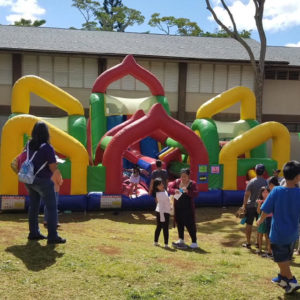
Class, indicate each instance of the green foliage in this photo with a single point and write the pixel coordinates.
(30, 23)
(222, 33)
(185, 27)
(111, 16)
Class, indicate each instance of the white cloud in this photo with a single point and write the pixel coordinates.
(278, 14)
(26, 9)
(293, 45)
(5, 2)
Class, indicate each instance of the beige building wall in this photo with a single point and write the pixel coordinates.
(205, 81)
(295, 146)
(281, 97)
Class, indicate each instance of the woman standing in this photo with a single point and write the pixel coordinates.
(42, 186)
(184, 191)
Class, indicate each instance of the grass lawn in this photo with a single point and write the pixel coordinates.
(111, 256)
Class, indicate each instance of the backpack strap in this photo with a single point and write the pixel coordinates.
(42, 167)
(33, 155)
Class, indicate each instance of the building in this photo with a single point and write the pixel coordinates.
(191, 69)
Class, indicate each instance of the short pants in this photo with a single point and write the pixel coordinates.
(282, 253)
(251, 214)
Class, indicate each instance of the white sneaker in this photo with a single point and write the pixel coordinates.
(179, 244)
(194, 245)
(167, 246)
(156, 244)
(292, 285)
(180, 241)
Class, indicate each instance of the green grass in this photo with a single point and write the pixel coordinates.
(111, 256)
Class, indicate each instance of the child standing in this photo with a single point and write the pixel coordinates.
(283, 202)
(134, 179)
(262, 228)
(163, 209)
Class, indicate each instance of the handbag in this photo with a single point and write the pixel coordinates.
(240, 213)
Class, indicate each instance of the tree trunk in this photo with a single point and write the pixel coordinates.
(258, 90)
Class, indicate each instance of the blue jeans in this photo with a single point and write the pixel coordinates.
(42, 188)
(46, 211)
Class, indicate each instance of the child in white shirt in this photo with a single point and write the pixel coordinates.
(163, 209)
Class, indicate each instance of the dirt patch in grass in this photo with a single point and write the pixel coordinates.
(109, 250)
(10, 234)
(178, 263)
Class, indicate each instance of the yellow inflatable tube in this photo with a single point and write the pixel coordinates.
(254, 137)
(12, 144)
(46, 90)
(226, 100)
(163, 155)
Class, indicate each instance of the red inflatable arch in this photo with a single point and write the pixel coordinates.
(156, 120)
(128, 67)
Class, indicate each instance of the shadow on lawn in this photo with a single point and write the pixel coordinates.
(140, 217)
(35, 256)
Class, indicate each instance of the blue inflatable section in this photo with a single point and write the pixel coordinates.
(96, 201)
(72, 203)
(149, 147)
(231, 198)
(144, 202)
(113, 121)
(93, 201)
(210, 198)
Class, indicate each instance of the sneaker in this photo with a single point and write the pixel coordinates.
(267, 255)
(37, 237)
(179, 244)
(280, 280)
(167, 246)
(194, 245)
(245, 245)
(156, 244)
(292, 285)
(58, 240)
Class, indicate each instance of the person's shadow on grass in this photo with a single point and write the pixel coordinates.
(35, 256)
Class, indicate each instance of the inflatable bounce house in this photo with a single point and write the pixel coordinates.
(122, 133)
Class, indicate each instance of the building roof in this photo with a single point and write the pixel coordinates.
(43, 39)
(290, 54)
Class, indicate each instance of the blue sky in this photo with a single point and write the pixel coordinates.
(282, 17)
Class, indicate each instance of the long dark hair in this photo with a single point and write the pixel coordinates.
(262, 189)
(157, 181)
(39, 135)
(185, 171)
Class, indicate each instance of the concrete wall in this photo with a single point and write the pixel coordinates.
(281, 97)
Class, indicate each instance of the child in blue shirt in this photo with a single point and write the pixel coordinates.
(284, 203)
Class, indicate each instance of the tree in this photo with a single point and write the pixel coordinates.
(222, 33)
(25, 22)
(186, 27)
(183, 26)
(87, 8)
(112, 16)
(257, 66)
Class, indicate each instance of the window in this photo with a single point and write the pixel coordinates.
(293, 75)
(270, 74)
(292, 127)
(282, 74)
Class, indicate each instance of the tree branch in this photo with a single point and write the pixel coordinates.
(233, 33)
(259, 10)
